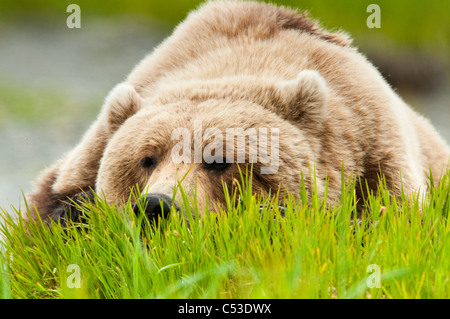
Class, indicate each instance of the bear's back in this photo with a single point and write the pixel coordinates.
(220, 25)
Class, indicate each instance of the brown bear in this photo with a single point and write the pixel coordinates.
(238, 83)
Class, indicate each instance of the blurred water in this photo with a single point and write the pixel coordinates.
(436, 107)
(86, 63)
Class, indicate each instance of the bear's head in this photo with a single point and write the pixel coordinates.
(198, 135)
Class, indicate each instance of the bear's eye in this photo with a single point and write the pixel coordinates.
(148, 162)
(216, 166)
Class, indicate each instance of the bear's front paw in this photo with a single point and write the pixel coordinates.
(70, 208)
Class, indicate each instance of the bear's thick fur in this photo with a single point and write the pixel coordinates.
(247, 65)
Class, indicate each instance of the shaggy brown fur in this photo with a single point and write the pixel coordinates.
(247, 65)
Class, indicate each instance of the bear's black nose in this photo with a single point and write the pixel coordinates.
(155, 206)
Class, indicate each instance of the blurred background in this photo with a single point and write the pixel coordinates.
(53, 79)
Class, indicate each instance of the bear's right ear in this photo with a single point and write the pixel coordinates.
(121, 103)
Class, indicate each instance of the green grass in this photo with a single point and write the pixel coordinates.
(315, 251)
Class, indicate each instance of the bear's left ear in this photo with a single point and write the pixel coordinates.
(121, 103)
(304, 98)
